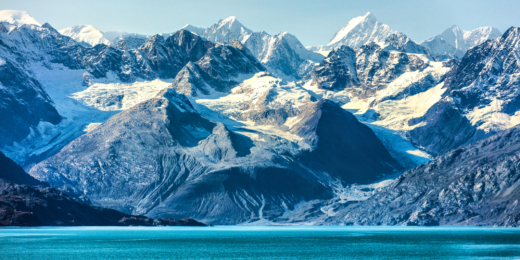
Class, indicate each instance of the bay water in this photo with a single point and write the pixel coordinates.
(254, 242)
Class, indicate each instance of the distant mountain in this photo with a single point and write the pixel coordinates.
(283, 54)
(89, 36)
(470, 186)
(85, 33)
(226, 30)
(401, 42)
(220, 69)
(359, 31)
(194, 29)
(455, 42)
(17, 18)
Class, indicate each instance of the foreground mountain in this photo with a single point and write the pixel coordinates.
(474, 185)
(454, 42)
(480, 97)
(162, 158)
(25, 201)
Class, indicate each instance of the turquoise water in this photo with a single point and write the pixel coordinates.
(259, 243)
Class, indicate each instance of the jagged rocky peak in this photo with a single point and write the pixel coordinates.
(401, 42)
(474, 185)
(128, 42)
(481, 97)
(454, 41)
(221, 68)
(283, 54)
(17, 17)
(226, 30)
(360, 31)
(365, 70)
(191, 45)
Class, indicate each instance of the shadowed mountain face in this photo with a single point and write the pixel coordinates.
(473, 185)
(12, 172)
(23, 104)
(25, 201)
(343, 146)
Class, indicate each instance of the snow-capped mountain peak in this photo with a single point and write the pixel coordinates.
(193, 29)
(361, 30)
(454, 41)
(226, 30)
(85, 33)
(17, 17)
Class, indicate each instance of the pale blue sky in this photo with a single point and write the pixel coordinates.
(314, 22)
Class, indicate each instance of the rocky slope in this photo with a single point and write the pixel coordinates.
(474, 185)
(454, 42)
(480, 97)
(364, 71)
(25, 201)
(162, 158)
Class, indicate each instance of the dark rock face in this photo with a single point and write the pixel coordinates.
(128, 42)
(330, 128)
(364, 70)
(482, 78)
(473, 185)
(12, 172)
(446, 128)
(23, 104)
(25, 201)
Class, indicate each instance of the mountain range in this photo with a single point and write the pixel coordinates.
(230, 126)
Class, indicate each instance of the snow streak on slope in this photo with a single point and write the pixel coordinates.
(60, 84)
(119, 96)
